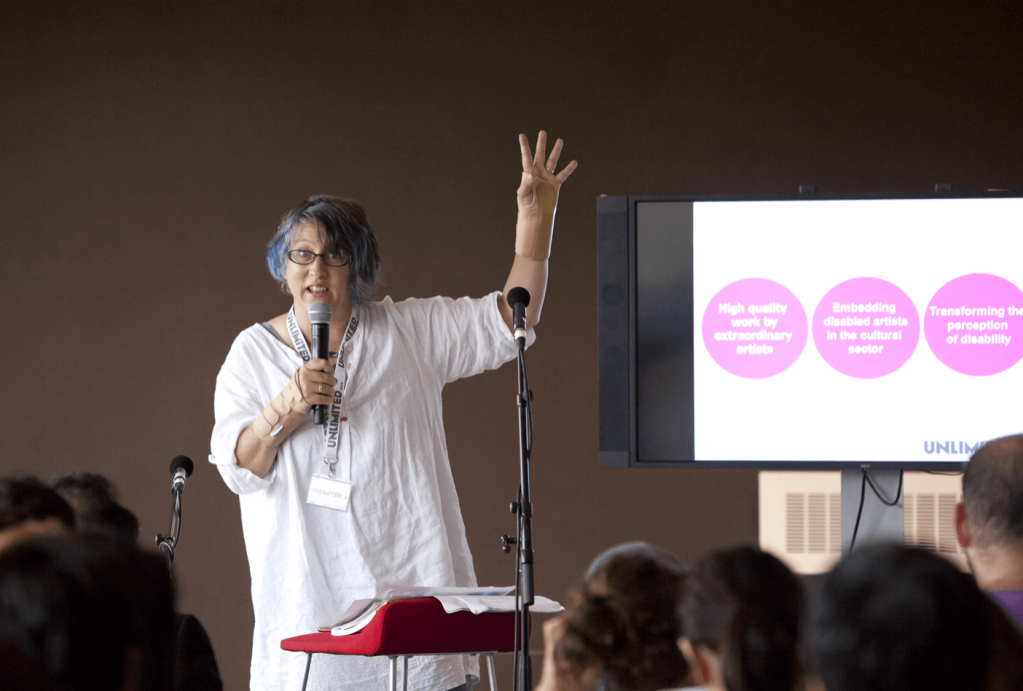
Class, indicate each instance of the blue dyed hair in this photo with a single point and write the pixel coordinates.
(343, 226)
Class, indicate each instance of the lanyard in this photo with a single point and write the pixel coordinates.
(331, 430)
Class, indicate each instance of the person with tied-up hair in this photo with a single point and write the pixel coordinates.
(332, 513)
(621, 632)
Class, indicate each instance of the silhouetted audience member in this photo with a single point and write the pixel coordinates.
(989, 522)
(621, 633)
(94, 500)
(894, 617)
(740, 619)
(96, 612)
(27, 508)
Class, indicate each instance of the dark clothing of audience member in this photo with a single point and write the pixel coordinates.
(894, 617)
(96, 612)
(989, 522)
(195, 665)
(1011, 601)
(20, 671)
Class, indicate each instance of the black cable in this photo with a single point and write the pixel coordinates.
(863, 494)
(856, 528)
(898, 494)
(529, 407)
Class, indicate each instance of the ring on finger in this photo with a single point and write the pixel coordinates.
(319, 389)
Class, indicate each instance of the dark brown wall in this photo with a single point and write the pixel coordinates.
(148, 150)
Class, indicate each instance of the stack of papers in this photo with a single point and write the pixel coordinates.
(475, 600)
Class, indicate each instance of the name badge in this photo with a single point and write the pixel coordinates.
(331, 494)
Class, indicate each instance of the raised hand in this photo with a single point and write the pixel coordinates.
(538, 197)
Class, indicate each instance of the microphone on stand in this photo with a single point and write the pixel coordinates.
(181, 467)
(518, 298)
(319, 322)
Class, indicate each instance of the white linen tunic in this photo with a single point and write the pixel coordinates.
(404, 525)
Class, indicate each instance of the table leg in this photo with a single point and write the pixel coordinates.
(490, 671)
(308, 662)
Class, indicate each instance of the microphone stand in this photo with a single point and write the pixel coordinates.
(523, 508)
(167, 544)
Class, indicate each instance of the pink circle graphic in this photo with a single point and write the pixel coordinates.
(754, 328)
(866, 327)
(974, 324)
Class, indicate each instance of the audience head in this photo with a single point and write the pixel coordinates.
(28, 507)
(94, 500)
(739, 619)
(95, 612)
(894, 617)
(991, 515)
(624, 622)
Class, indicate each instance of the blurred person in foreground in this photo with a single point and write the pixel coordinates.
(94, 500)
(739, 621)
(332, 513)
(29, 508)
(895, 617)
(989, 521)
(94, 612)
(620, 634)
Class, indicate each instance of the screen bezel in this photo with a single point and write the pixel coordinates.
(612, 221)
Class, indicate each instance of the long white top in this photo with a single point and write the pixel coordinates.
(404, 525)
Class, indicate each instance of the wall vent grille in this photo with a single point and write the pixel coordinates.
(801, 516)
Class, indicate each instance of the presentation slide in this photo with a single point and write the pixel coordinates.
(881, 330)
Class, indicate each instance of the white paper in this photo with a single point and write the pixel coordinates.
(361, 612)
(478, 604)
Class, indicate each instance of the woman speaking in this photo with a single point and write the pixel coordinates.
(331, 513)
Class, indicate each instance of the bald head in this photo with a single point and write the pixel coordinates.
(993, 493)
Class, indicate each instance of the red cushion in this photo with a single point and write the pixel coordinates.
(418, 626)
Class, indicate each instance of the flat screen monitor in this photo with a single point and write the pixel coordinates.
(810, 332)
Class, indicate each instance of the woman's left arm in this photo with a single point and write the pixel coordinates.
(537, 201)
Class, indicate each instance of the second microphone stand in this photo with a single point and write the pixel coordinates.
(523, 508)
(167, 544)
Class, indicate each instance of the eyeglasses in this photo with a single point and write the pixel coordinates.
(306, 257)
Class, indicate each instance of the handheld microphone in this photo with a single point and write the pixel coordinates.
(518, 298)
(319, 321)
(181, 467)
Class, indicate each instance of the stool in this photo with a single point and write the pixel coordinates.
(417, 626)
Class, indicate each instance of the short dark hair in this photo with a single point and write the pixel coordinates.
(83, 483)
(26, 498)
(344, 228)
(746, 605)
(895, 617)
(993, 492)
(631, 631)
(93, 499)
